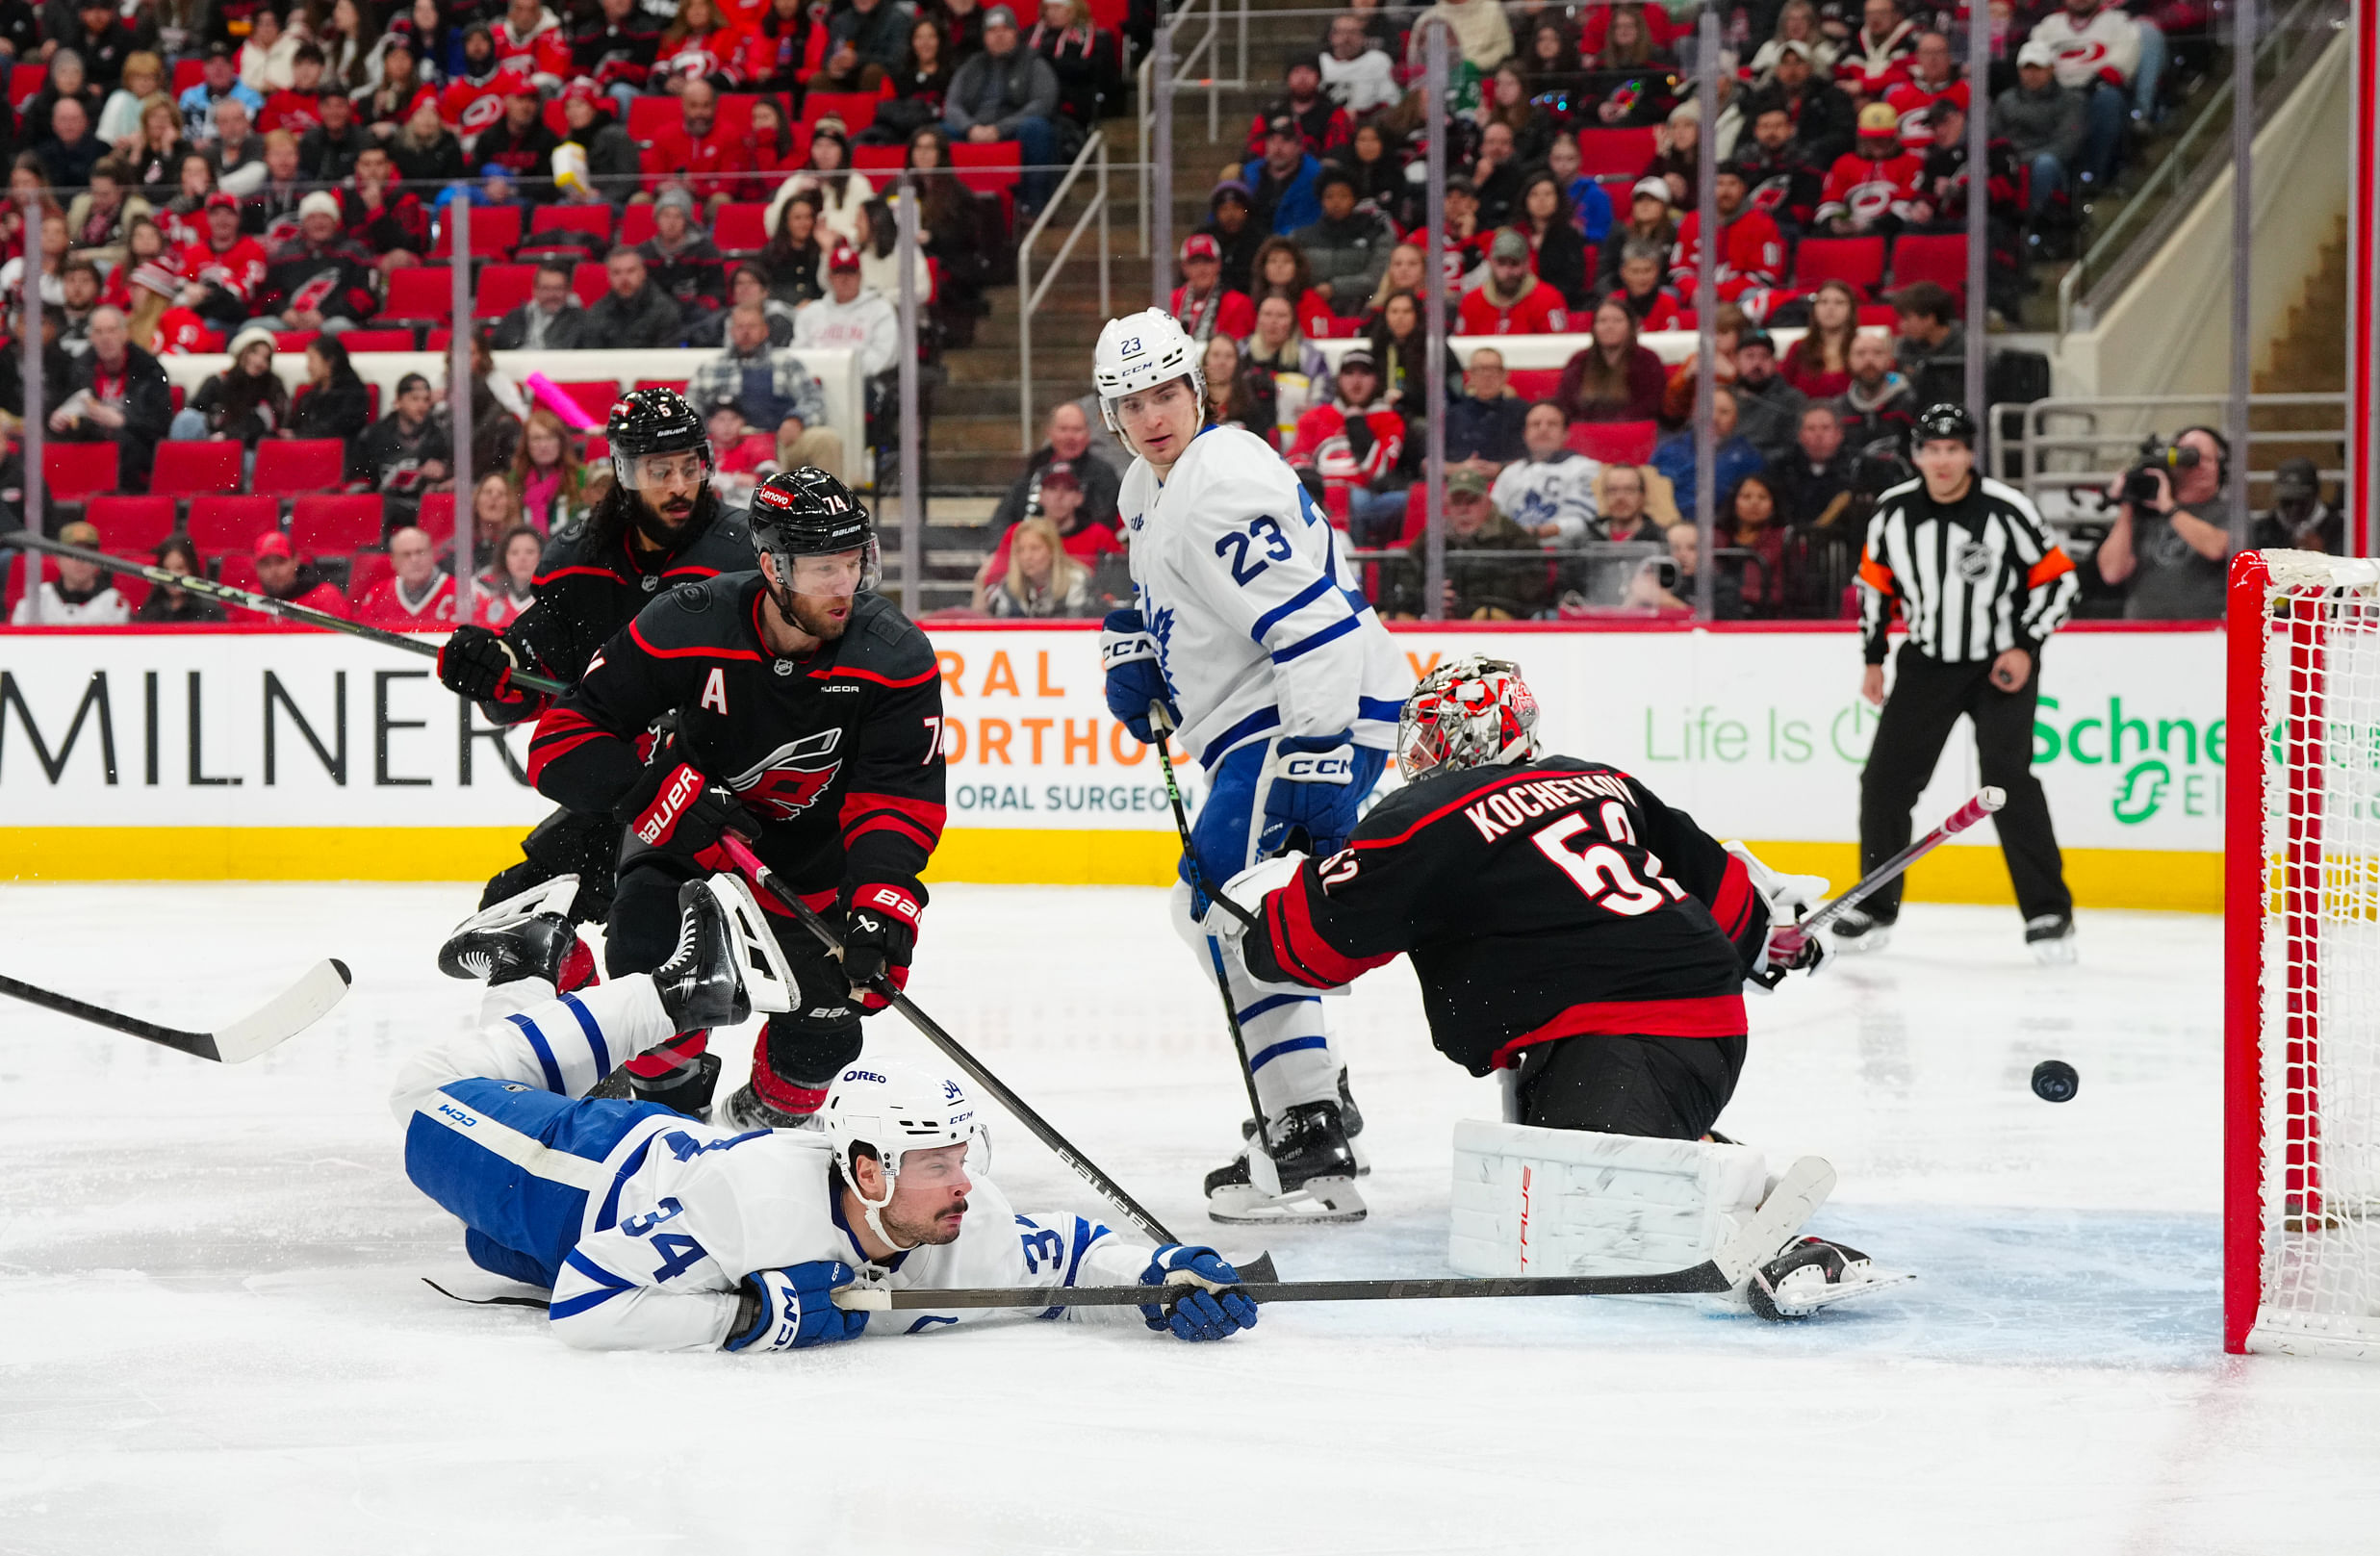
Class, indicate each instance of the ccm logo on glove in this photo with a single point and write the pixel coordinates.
(1320, 767)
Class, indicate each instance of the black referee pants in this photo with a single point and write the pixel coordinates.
(1928, 696)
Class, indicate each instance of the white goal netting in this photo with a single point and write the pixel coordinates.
(2317, 1060)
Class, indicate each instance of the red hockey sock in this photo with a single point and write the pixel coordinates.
(579, 969)
(784, 1095)
(676, 1053)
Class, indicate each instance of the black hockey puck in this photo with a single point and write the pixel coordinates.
(2054, 1081)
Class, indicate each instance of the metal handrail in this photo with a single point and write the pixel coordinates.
(2177, 166)
(2035, 442)
(1209, 47)
(1093, 154)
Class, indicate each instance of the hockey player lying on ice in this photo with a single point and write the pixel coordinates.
(657, 1232)
(1569, 928)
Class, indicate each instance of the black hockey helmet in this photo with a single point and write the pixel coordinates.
(806, 512)
(1942, 420)
(653, 421)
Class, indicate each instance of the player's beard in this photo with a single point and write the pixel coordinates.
(930, 1233)
(666, 526)
(814, 615)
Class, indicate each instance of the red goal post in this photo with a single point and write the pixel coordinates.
(2302, 1177)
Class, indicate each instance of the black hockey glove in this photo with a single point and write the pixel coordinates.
(880, 936)
(479, 663)
(684, 812)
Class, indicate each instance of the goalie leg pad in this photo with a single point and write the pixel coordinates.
(1531, 1201)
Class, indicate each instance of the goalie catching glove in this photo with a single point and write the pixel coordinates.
(793, 1309)
(1789, 899)
(1205, 1301)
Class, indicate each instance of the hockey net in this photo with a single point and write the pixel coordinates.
(2302, 931)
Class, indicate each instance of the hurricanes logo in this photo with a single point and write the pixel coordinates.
(480, 114)
(2143, 791)
(789, 779)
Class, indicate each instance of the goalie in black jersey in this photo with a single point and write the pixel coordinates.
(1569, 929)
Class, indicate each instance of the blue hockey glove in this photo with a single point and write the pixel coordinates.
(1310, 790)
(793, 1309)
(1208, 1303)
(1127, 652)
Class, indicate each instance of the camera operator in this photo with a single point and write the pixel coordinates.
(2300, 520)
(2170, 543)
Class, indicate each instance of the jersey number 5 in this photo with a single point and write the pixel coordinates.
(1263, 528)
(1602, 871)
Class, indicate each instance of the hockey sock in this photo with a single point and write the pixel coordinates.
(579, 969)
(793, 1064)
(672, 1060)
(576, 1040)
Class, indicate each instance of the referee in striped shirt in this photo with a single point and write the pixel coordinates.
(1979, 583)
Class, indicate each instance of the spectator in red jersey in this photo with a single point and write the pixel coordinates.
(475, 99)
(1872, 189)
(1751, 251)
(772, 153)
(301, 583)
(781, 45)
(1204, 305)
(1933, 78)
(1878, 56)
(509, 585)
(1784, 182)
(297, 107)
(381, 217)
(520, 144)
(417, 597)
(696, 151)
(740, 458)
(144, 244)
(1355, 444)
(1510, 300)
(1060, 504)
(699, 45)
(530, 42)
(318, 280)
(1041, 580)
(1614, 379)
(1322, 126)
(223, 277)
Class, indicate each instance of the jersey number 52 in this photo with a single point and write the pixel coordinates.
(1236, 547)
(1601, 870)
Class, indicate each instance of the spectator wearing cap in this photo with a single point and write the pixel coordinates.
(2300, 520)
(318, 280)
(1060, 505)
(1733, 456)
(612, 159)
(680, 257)
(168, 606)
(740, 458)
(326, 154)
(1356, 70)
(1767, 408)
(219, 81)
(408, 450)
(519, 142)
(1478, 588)
(1008, 92)
(243, 403)
(382, 218)
(1322, 124)
(1874, 187)
(1798, 22)
(1283, 183)
(1509, 300)
(1486, 422)
(2043, 123)
(1346, 247)
(474, 98)
(222, 275)
(774, 389)
(1648, 225)
(1750, 250)
(81, 594)
(1205, 306)
(1231, 221)
(284, 576)
(1356, 444)
(1041, 580)
(115, 393)
(416, 596)
(855, 317)
(633, 313)
(1824, 119)
(1066, 445)
(549, 320)
(698, 151)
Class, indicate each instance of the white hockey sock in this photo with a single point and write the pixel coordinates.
(576, 1040)
(1289, 1039)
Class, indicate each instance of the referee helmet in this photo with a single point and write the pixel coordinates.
(1942, 420)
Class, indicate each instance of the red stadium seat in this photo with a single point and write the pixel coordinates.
(879, 159)
(327, 522)
(295, 340)
(230, 523)
(25, 83)
(651, 115)
(237, 570)
(636, 224)
(188, 73)
(1859, 261)
(186, 470)
(992, 168)
(735, 111)
(1615, 443)
(678, 384)
(855, 109)
(556, 119)
(370, 568)
(598, 449)
(501, 288)
(594, 396)
(1611, 153)
(71, 472)
(1937, 257)
(1878, 315)
(742, 228)
(1531, 384)
(421, 292)
(287, 467)
(494, 232)
(588, 282)
(595, 220)
(131, 526)
(438, 340)
(377, 339)
(437, 518)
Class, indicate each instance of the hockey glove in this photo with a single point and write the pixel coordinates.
(479, 663)
(1309, 798)
(684, 812)
(1205, 1302)
(793, 1309)
(1787, 901)
(878, 939)
(1127, 652)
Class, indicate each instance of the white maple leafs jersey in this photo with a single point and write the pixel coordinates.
(1557, 490)
(1261, 631)
(706, 1208)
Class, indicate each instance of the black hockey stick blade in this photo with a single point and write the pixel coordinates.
(283, 1017)
(1702, 1278)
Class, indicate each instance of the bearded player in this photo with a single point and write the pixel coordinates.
(807, 714)
(654, 1232)
(1250, 634)
(658, 526)
(1572, 930)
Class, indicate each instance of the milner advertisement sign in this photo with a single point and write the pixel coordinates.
(263, 754)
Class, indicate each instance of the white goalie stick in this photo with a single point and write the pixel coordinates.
(282, 1017)
(1799, 1193)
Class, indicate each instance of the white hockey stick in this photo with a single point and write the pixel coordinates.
(283, 1017)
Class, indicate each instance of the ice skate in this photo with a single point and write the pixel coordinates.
(2051, 939)
(1855, 932)
(1813, 1274)
(744, 1112)
(527, 935)
(1303, 1173)
(688, 1090)
(727, 964)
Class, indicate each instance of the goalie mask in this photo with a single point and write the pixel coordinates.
(889, 1110)
(1468, 712)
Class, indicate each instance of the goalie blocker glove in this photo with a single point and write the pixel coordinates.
(1209, 1304)
(793, 1309)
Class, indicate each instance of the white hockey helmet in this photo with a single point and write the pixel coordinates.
(1471, 711)
(1141, 351)
(890, 1109)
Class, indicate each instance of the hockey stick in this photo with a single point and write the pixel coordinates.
(281, 1018)
(1163, 724)
(1780, 1219)
(1791, 937)
(247, 599)
(741, 855)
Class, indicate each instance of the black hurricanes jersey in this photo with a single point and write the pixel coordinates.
(1548, 900)
(837, 756)
(587, 590)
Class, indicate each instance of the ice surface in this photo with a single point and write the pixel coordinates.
(213, 1335)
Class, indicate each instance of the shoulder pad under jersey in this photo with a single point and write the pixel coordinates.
(698, 613)
(885, 643)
